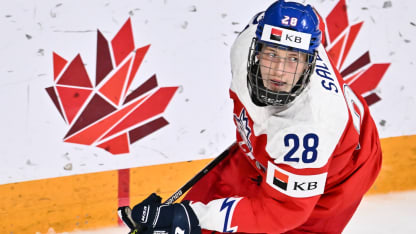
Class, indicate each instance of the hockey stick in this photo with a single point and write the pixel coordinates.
(124, 212)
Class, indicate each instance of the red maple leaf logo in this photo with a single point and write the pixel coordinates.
(338, 42)
(106, 115)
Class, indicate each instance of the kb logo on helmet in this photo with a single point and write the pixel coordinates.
(286, 37)
(293, 38)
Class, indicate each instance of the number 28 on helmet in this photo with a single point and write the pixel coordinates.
(283, 53)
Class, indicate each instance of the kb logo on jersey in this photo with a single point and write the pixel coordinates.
(304, 186)
(295, 185)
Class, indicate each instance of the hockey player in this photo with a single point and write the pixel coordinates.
(308, 148)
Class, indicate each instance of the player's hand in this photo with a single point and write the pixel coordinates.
(154, 217)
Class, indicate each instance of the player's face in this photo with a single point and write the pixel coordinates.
(281, 69)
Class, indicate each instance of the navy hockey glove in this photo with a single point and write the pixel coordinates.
(154, 217)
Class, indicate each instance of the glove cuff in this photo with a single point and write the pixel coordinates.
(178, 217)
(185, 219)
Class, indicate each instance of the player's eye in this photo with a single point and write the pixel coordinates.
(293, 59)
(272, 55)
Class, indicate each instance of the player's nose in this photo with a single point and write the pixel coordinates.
(277, 67)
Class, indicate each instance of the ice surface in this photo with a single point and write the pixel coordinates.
(389, 213)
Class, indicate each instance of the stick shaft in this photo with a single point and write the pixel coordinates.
(183, 189)
(199, 176)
